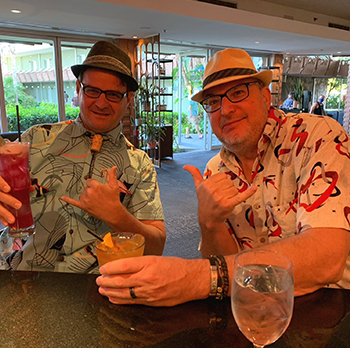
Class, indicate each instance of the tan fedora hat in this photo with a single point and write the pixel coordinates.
(229, 65)
(106, 55)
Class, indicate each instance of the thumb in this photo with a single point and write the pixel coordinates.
(196, 174)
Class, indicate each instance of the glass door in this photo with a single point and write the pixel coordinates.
(194, 131)
(192, 121)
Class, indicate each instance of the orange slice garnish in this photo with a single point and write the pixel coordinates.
(108, 241)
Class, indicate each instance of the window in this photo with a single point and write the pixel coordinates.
(30, 80)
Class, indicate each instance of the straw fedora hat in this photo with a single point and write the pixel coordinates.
(229, 65)
(106, 55)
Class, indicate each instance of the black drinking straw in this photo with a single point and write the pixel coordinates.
(95, 235)
(18, 123)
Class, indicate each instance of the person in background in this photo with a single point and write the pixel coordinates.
(75, 100)
(288, 103)
(280, 182)
(317, 107)
(87, 175)
(66, 97)
(194, 119)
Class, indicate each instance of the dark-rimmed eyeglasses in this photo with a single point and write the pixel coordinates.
(235, 95)
(93, 92)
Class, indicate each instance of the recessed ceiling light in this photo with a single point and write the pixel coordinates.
(257, 42)
(134, 36)
(15, 11)
(339, 52)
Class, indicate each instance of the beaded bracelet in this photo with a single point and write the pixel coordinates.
(223, 274)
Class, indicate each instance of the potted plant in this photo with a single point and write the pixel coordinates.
(145, 94)
(152, 132)
(298, 93)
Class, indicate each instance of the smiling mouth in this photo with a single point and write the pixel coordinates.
(232, 123)
(99, 113)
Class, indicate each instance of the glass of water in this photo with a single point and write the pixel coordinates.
(262, 295)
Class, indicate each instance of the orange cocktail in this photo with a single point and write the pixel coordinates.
(119, 245)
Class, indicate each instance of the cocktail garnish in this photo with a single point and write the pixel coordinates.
(107, 240)
(2, 141)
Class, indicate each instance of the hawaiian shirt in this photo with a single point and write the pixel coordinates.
(60, 160)
(288, 103)
(302, 175)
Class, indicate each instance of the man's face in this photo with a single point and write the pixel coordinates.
(239, 126)
(101, 115)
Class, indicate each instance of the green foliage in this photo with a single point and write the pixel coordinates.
(173, 118)
(152, 129)
(298, 90)
(333, 102)
(335, 86)
(11, 91)
(43, 113)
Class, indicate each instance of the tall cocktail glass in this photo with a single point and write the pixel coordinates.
(262, 295)
(125, 244)
(14, 168)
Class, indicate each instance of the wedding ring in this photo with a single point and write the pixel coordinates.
(132, 292)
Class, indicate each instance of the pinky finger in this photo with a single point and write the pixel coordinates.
(241, 197)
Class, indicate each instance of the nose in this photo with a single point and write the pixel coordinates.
(226, 106)
(102, 101)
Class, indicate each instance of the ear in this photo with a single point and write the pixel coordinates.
(130, 97)
(267, 95)
(77, 83)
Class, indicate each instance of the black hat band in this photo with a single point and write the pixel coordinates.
(226, 73)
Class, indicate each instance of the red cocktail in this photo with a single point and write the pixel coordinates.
(14, 168)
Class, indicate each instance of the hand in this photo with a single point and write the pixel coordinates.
(99, 200)
(157, 281)
(217, 196)
(6, 217)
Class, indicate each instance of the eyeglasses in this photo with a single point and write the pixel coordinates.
(93, 92)
(235, 95)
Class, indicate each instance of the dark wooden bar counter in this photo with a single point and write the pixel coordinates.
(44, 310)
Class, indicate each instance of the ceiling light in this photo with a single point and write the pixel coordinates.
(16, 11)
(257, 42)
(134, 36)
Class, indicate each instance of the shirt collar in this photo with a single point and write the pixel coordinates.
(79, 130)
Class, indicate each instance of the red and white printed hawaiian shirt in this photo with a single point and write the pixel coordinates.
(302, 173)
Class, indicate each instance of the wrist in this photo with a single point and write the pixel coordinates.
(219, 279)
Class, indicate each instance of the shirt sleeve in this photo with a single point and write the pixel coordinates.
(145, 203)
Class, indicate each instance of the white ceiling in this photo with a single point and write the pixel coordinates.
(189, 22)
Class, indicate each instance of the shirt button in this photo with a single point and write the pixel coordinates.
(256, 206)
(262, 240)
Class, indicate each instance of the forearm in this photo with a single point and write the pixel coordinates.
(318, 260)
(152, 230)
(217, 240)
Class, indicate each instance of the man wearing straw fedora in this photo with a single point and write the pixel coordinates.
(280, 182)
(87, 176)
